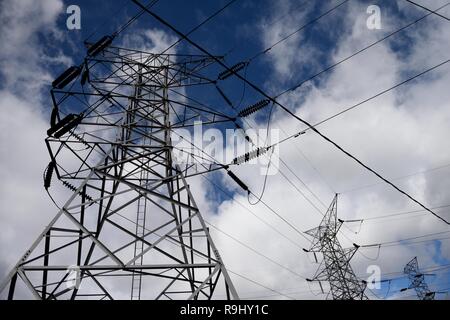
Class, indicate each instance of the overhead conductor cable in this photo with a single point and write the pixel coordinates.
(326, 138)
(232, 70)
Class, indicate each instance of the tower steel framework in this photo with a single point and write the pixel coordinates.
(131, 220)
(417, 280)
(335, 267)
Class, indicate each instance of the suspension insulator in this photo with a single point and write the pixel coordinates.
(73, 188)
(231, 71)
(69, 186)
(249, 156)
(238, 181)
(66, 77)
(99, 46)
(48, 174)
(60, 124)
(80, 139)
(253, 108)
(65, 125)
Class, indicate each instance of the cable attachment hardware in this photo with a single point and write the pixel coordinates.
(231, 71)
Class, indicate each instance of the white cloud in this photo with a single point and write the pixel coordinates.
(151, 40)
(24, 62)
(282, 57)
(402, 132)
(24, 69)
(24, 99)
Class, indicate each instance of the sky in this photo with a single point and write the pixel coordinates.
(402, 134)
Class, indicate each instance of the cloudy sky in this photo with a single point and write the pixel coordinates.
(402, 134)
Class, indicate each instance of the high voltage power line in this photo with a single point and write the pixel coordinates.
(383, 92)
(309, 23)
(445, 166)
(429, 10)
(373, 44)
(326, 138)
(314, 129)
(334, 65)
(378, 245)
(144, 157)
(365, 48)
(339, 62)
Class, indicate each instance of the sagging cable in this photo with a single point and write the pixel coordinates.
(232, 70)
(320, 285)
(352, 221)
(80, 139)
(377, 245)
(253, 108)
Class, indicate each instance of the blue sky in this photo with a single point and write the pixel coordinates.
(407, 124)
(237, 29)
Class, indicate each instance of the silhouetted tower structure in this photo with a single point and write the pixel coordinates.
(131, 221)
(335, 267)
(417, 280)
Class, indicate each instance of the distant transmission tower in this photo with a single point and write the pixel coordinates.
(335, 267)
(131, 227)
(417, 281)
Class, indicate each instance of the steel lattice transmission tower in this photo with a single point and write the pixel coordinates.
(335, 267)
(417, 280)
(131, 222)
